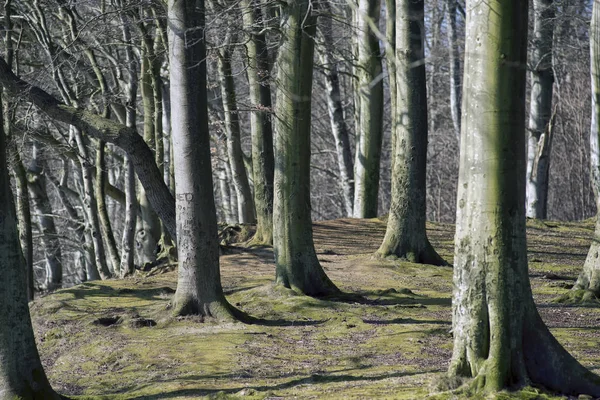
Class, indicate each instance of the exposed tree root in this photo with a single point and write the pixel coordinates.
(423, 254)
(219, 310)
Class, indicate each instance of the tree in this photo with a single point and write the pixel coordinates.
(368, 109)
(21, 373)
(199, 288)
(258, 74)
(540, 109)
(500, 339)
(295, 257)
(587, 286)
(405, 235)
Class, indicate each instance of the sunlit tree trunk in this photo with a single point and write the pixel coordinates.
(199, 288)
(499, 338)
(405, 235)
(258, 74)
(369, 112)
(540, 109)
(296, 261)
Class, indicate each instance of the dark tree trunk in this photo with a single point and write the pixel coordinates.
(405, 235)
(21, 373)
(297, 264)
(258, 73)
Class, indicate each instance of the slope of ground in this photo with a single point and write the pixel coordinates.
(113, 340)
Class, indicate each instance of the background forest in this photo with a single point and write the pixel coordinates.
(91, 54)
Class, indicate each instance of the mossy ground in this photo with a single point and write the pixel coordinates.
(391, 341)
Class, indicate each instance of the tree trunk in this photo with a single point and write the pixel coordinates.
(454, 61)
(369, 96)
(336, 112)
(587, 286)
(109, 237)
(258, 73)
(245, 204)
(297, 264)
(199, 288)
(148, 226)
(21, 373)
(540, 111)
(405, 235)
(127, 266)
(499, 337)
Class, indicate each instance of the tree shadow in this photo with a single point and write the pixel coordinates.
(312, 379)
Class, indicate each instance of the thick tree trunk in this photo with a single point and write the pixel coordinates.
(540, 111)
(335, 107)
(110, 131)
(499, 337)
(45, 222)
(21, 373)
(245, 204)
(297, 264)
(588, 283)
(454, 61)
(369, 124)
(199, 288)
(258, 74)
(405, 235)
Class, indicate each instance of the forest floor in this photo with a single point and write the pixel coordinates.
(112, 340)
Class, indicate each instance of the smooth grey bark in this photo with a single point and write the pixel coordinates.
(540, 109)
(500, 339)
(339, 129)
(110, 131)
(297, 266)
(406, 236)
(245, 203)
(127, 266)
(21, 373)
(369, 109)
(587, 286)
(199, 288)
(454, 61)
(258, 74)
(42, 209)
